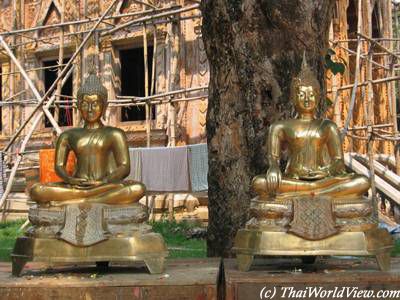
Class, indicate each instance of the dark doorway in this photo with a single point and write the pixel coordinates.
(65, 113)
(132, 81)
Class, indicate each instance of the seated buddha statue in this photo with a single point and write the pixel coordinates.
(312, 207)
(102, 158)
(315, 166)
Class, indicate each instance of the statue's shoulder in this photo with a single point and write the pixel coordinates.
(279, 125)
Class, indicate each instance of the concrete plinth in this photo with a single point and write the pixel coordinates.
(182, 279)
(272, 276)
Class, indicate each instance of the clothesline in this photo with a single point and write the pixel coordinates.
(161, 169)
(171, 169)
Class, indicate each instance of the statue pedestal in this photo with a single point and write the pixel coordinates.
(275, 230)
(90, 233)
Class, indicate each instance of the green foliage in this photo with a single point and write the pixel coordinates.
(335, 67)
(396, 249)
(174, 233)
(328, 101)
(9, 231)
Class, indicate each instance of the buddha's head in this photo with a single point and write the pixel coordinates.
(92, 99)
(305, 90)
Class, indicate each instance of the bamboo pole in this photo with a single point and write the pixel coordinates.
(64, 71)
(357, 74)
(146, 83)
(361, 55)
(104, 29)
(60, 60)
(369, 117)
(80, 22)
(376, 81)
(39, 116)
(23, 146)
(168, 93)
(30, 84)
(379, 45)
(33, 69)
(394, 103)
(153, 66)
(149, 18)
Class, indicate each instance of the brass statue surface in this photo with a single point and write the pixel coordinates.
(92, 215)
(314, 207)
(102, 158)
(315, 165)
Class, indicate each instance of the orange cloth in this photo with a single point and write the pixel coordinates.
(47, 161)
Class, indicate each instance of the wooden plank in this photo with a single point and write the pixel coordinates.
(381, 184)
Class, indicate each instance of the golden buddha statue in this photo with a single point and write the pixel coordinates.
(102, 158)
(315, 164)
(314, 207)
(93, 215)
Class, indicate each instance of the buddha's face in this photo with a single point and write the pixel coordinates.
(91, 108)
(306, 99)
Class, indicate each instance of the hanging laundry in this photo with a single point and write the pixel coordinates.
(136, 164)
(165, 169)
(198, 167)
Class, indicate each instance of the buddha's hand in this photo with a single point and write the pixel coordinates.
(274, 178)
(337, 167)
(75, 180)
(95, 182)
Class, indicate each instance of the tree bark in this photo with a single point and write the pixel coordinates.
(255, 48)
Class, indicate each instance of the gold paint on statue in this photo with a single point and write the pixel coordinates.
(314, 207)
(92, 216)
(102, 158)
(315, 164)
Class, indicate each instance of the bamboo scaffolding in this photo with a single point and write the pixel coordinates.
(361, 55)
(39, 115)
(149, 18)
(30, 84)
(34, 69)
(64, 71)
(60, 61)
(357, 74)
(146, 83)
(157, 22)
(22, 149)
(379, 45)
(81, 22)
(369, 117)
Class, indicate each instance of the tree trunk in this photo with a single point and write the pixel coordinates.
(254, 47)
